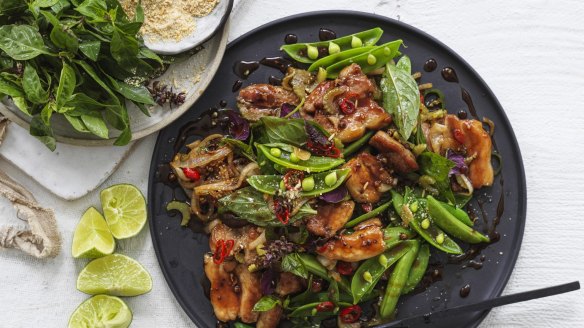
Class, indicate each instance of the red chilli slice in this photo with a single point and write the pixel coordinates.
(326, 306)
(351, 314)
(345, 268)
(222, 250)
(191, 173)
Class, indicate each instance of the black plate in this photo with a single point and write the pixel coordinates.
(180, 251)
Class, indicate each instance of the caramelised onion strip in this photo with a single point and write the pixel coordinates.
(196, 159)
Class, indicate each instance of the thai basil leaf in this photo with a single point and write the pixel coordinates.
(135, 93)
(22, 42)
(11, 7)
(77, 123)
(84, 105)
(149, 54)
(93, 74)
(67, 82)
(293, 263)
(90, 49)
(10, 89)
(438, 167)
(96, 125)
(61, 37)
(401, 98)
(40, 128)
(241, 147)
(284, 130)
(94, 9)
(124, 49)
(124, 138)
(60, 5)
(266, 303)
(44, 3)
(22, 104)
(404, 64)
(31, 83)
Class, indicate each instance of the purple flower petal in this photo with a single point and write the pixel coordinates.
(268, 281)
(287, 109)
(335, 196)
(458, 159)
(238, 126)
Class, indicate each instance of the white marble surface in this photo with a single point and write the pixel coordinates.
(529, 52)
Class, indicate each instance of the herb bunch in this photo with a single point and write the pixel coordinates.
(76, 59)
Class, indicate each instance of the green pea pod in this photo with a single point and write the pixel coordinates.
(373, 213)
(313, 164)
(299, 51)
(307, 311)
(383, 54)
(394, 235)
(418, 269)
(397, 281)
(398, 201)
(335, 58)
(452, 225)
(269, 184)
(357, 144)
(241, 325)
(414, 220)
(311, 264)
(458, 213)
(376, 266)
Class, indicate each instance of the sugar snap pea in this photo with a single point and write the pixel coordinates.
(299, 51)
(355, 145)
(418, 269)
(337, 57)
(397, 281)
(383, 54)
(458, 213)
(452, 225)
(394, 235)
(373, 213)
(269, 184)
(376, 267)
(433, 234)
(313, 164)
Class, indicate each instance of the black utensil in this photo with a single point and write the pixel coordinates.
(427, 318)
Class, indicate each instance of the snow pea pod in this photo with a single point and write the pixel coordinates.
(299, 51)
(458, 213)
(355, 145)
(432, 234)
(394, 235)
(339, 56)
(368, 215)
(452, 225)
(375, 267)
(397, 281)
(270, 184)
(313, 164)
(382, 55)
(418, 269)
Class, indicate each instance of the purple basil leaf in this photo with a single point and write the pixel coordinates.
(238, 126)
(458, 159)
(268, 281)
(335, 196)
(287, 109)
(316, 136)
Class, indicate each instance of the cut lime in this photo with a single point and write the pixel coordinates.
(114, 274)
(101, 311)
(92, 236)
(124, 209)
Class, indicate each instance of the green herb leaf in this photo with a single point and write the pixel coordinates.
(90, 49)
(61, 37)
(401, 98)
(22, 104)
(21, 42)
(77, 123)
(266, 303)
(124, 138)
(67, 82)
(284, 130)
(293, 263)
(404, 64)
(135, 93)
(437, 167)
(44, 3)
(124, 49)
(96, 125)
(40, 128)
(10, 89)
(31, 83)
(96, 10)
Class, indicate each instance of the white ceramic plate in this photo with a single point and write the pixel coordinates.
(205, 28)
(191, 76)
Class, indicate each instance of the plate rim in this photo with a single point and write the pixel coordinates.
(522, 199)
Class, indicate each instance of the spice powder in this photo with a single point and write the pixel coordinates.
(169, 19)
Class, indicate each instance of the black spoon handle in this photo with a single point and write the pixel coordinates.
(485, 305)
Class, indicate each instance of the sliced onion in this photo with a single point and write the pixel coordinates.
(465, 183)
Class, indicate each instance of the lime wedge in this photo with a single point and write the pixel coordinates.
(114, 274)
(124, 209)
(92, 236)
(101, 311)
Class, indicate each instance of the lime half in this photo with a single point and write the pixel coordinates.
(114, 274)
(124, 209)
(101, 311)
(92, 236)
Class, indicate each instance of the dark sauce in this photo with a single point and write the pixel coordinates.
(277, 62)
(325, 34)
(432, 275)
(236, 86)
(430, 65)
(468, 100)
(243, 68)
(290, 39)
(273, 80)
(462, 114)
(223, 103)
(165, 174)
(473, 264)
(449, 74)
(200, 128)
(465, 291)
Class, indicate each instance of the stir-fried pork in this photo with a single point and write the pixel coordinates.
(395, 154)
(270, 318)
(249, 283)
(241, 237)
(224, 298)
(360, 245)
(466, 136)
(259, 100)
(368, 178)
(289, 284)
(330, 218)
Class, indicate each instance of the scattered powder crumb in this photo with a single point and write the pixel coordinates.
(169, 19)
